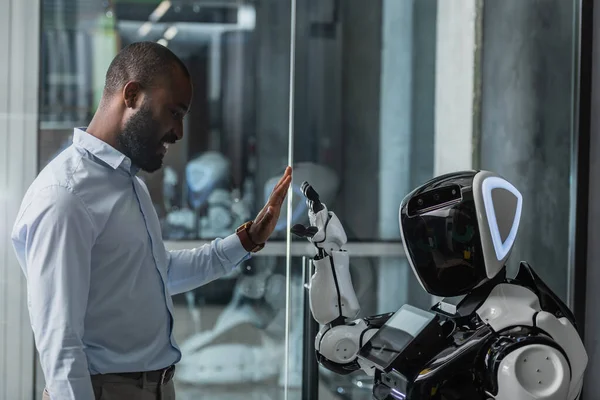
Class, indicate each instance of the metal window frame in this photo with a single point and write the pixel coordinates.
(580, 158)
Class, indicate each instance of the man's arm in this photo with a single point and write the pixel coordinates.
(53, 240)
(189, 269)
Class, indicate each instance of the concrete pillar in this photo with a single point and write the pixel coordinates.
(395, 134)
(527, 123)
(456, 90)
(19, 50)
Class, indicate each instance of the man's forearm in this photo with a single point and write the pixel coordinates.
(189, 269)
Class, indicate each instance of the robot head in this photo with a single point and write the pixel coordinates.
(459, 229)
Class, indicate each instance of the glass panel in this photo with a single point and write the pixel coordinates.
(235, 141)
(364, 126)
(389, 93)
(364, 134)
(232, 334)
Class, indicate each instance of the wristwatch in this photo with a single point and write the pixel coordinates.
(243, 232)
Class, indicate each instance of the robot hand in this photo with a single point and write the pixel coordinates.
(325, 231)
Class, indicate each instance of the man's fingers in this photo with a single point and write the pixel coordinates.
(279, 192)
(286, 174)
(282, 191)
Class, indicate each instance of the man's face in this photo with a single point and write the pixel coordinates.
(157, 123)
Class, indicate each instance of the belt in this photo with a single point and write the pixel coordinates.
(160, 376)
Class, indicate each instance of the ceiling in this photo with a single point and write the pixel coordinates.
(195, 22)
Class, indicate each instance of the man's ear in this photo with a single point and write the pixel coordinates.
(131, 94)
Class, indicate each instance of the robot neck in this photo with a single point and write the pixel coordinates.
(465, 305)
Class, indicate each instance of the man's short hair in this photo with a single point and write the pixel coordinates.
(142, 62)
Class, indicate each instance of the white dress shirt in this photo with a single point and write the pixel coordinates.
(99, 279)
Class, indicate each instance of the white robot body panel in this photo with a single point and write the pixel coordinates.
(565, 335)
(341, 343)
(509, 305)
(332, 294)
(534, 372)
(331, 236)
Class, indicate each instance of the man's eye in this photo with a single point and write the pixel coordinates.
(176, 115)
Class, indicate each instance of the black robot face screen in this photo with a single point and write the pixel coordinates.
(444, 247)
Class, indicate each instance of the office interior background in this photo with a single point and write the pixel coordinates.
(366, 99)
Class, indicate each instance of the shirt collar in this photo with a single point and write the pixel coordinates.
(102, 151)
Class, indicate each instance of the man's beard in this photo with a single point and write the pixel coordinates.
(138, 141)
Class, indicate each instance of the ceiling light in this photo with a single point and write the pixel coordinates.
(145, 29)
(246, 17)
(162, 8)
(170, 33)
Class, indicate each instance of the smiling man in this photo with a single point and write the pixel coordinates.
(99, 279)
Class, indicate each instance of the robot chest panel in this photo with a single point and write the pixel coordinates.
(509, 305)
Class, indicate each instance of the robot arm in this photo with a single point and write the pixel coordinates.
(333, 301)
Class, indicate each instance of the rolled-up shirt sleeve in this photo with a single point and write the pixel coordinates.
(53, 239)
(189, 269)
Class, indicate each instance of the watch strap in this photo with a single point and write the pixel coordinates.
(243, 233)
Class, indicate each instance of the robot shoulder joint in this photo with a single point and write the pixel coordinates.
(534, 371)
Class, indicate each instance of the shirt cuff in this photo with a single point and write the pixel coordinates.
(233, 249)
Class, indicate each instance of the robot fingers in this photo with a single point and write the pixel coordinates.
(312, 197)
(304, 231)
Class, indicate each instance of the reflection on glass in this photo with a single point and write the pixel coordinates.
(231, 331)
(363, 137)
(231, 334)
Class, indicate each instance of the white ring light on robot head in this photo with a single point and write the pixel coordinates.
(489, 184)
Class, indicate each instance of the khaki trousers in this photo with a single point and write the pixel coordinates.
(115, 387)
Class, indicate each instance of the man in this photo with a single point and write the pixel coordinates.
(88, 239)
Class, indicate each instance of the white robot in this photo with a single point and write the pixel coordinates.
(491, 337)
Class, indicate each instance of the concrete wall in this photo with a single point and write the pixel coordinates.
(526, 123)
(19, 70)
